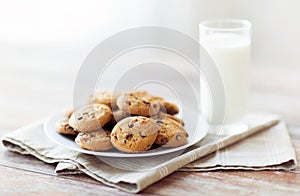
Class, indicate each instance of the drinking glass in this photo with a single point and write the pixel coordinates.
(228, 42)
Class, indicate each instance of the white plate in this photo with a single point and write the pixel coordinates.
(68, 142)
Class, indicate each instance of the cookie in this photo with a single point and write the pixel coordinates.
(169, 108)
(180, 121)
(164, 115)
(104, 97)
(63, 127)
(170, 133)
(95, 141)
(158, 98)
(138, 103)
(68, 112)
(134, 134)
(90, 118)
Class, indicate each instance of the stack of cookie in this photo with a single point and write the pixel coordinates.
(131, 122)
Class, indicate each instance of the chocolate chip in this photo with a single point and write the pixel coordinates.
(129, 136)
(124, 141)
(146, 102)
(163, 140)
(80, 118)
(130, 125)
(159, 122)
(143, 122)
(186, 134)
(178, 137)
(69, 127)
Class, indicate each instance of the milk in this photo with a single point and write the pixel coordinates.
(231, 54)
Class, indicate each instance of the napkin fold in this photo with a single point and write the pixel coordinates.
(268, 147)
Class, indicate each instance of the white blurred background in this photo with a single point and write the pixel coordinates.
(43, 43)
(62, 32)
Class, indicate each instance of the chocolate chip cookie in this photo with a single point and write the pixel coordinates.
(134, 134)
(164, 115)
(90, 118)
(104, 97)
(167, 107)
(170, 133)
(95, 141)
(68, 112)
(63, 127)
(138, 103)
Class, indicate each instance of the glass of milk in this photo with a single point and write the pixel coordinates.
(228, 43)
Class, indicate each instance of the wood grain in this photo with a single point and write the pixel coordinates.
(16, 181)
(228, 182)
(31, 93)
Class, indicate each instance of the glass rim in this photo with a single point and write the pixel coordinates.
(245, 24)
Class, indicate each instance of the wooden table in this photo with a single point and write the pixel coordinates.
(31, 93)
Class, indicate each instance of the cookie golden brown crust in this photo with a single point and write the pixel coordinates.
(164, 115)
(68, 112)
(95, 141)
(170, 133)
(90, 118)
(63, 127)
(104, 97)
(138, 103)
(134, 134)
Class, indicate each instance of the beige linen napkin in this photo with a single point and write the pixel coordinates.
(269, 149)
